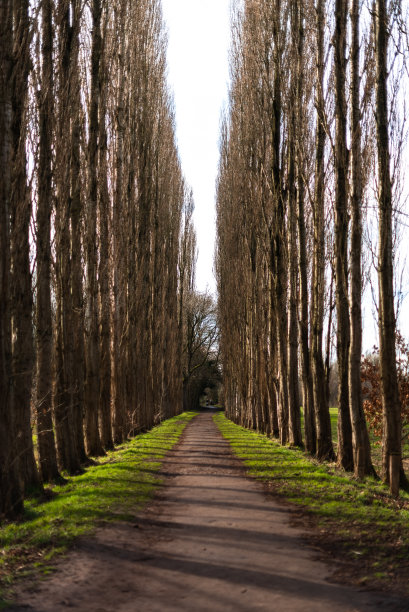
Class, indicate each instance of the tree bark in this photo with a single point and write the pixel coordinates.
(11, 499)
(345, 455)
(104, 267)
(392, 423)
(22, 298)
(67, 451)
(308, 390)
(294, 407)
(119, 282)
(360, 438)
(44, 337)
(92, 356)
(325, 448)
(76, 212)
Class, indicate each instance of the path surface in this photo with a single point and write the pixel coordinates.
(210, 542)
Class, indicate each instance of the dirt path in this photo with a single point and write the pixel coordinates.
(210, 541)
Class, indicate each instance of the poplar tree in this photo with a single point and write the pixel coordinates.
(11, 499)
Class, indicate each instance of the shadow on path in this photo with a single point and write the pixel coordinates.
(210, 541)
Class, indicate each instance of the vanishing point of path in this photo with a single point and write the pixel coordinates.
(211, 541)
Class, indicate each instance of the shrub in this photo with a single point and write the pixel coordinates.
(371, 384)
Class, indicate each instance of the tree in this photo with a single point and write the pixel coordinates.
(104, 260)
(293, 340)
(307, 380)
(92, 339)
(22, 298)
(360, 439)
(345, 457)
(11, 500)
(392, 446)
(44, 333)
(67, 449)
(323, 423)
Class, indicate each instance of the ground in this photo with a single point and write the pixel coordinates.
(212, 539)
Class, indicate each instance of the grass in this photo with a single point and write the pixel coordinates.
(112, 490)
(358, 522)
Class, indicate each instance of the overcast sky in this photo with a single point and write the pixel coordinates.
(199, 40)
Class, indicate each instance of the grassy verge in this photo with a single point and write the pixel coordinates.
(358, 523)
(118, 485)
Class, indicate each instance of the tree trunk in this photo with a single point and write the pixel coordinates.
(104, 270)
(323, 422)
(277, 241)
(119, 288)
(22, 297)
(360, 438)
(44, 336)
(345, 455)
(294, 414)
(303, 298)
(67, 451)
(92, 357)
(392, 424)
(76, 211)
(11, 499)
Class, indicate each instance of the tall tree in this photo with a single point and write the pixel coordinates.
(104, 262)
(118, 249)
(345, 457)
(392, 445)
(11, 501)
(308, 391)
(295, 437)
(323, 423)
(22, 297)
(66, 431)
(76, 345)
(360, 437)
(92, 346)
(44, 333)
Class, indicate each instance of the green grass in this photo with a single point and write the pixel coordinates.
(360, 520)
(333, 412)
(112, 490)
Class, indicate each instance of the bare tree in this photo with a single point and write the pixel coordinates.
(11, 501)
(392, 445)
(22, 298)
(345, 458)
(360, 437)
(324, 439)
(92, 355)
(44, 334)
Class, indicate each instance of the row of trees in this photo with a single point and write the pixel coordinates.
(306, 150)
(97, 247)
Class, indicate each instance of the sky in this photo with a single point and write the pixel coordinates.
(199, 41)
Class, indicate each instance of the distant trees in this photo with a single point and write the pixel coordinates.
(200, 356)
(297, 168)
(96, 237)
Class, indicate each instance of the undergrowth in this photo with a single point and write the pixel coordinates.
(358, 521)
(113, 489)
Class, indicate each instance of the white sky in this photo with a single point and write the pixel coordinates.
(199, 41)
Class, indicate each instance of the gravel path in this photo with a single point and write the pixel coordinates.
(210, 541)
